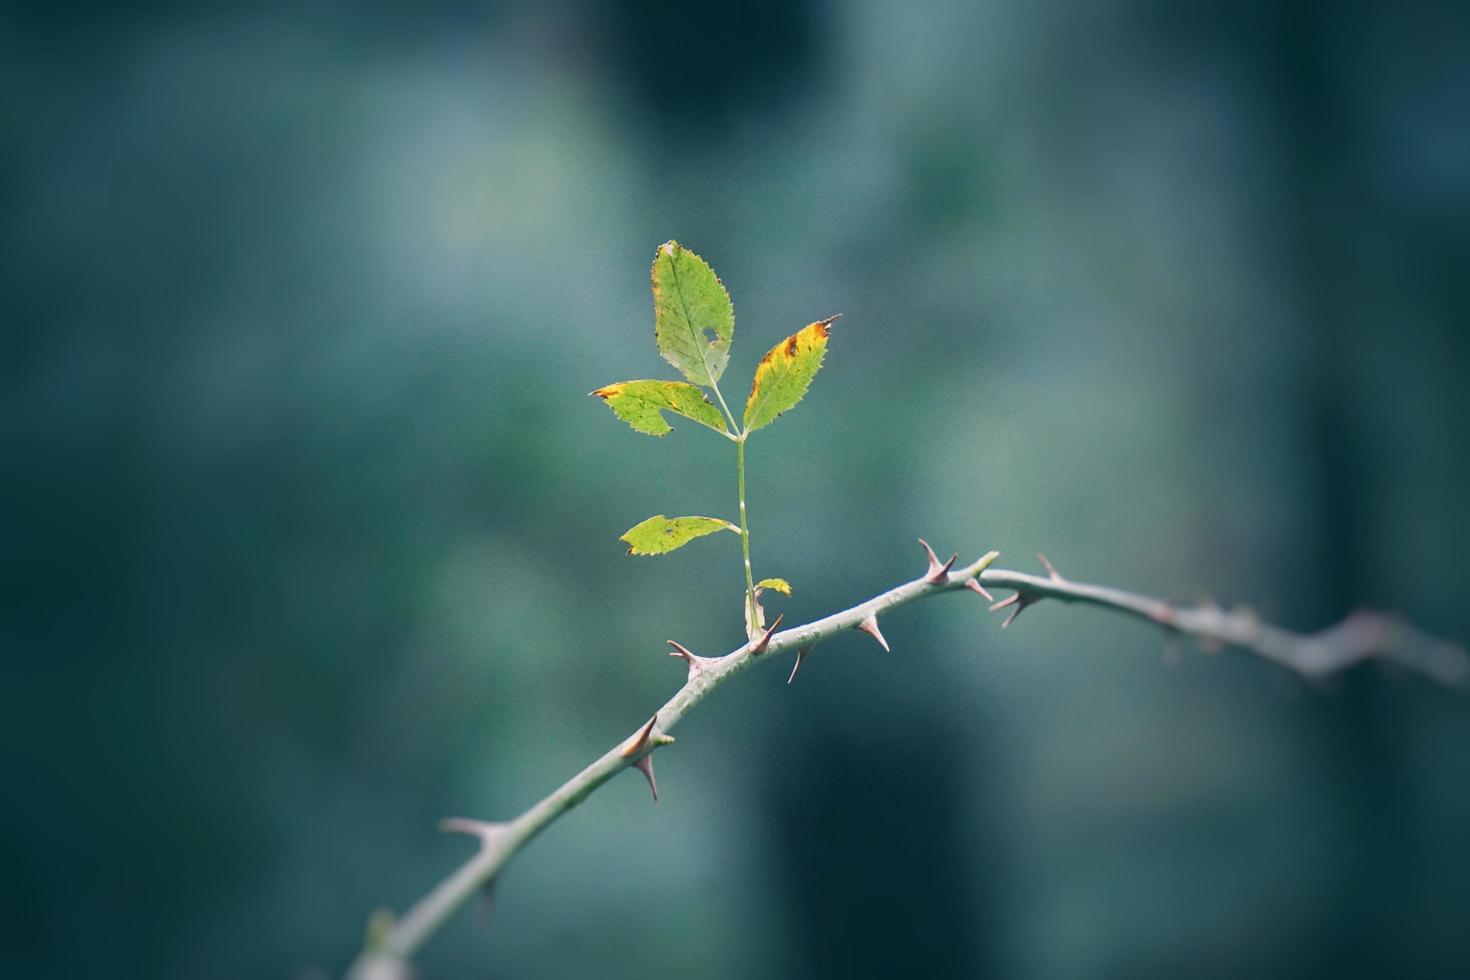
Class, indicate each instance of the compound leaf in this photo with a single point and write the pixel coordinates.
(641, 404)
(785, 373)
(693, 319)
(659, 534)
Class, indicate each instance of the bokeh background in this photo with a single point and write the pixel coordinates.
(313, 530)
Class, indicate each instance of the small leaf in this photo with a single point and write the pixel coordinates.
(641, 404)
(693, 319)
(659, 534)
(753, 626)
(784, 374)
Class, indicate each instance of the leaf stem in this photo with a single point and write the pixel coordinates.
(715, 387)
(751, 629)
(752, 624)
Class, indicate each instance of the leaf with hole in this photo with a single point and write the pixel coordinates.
(693, 319)
(784, 374)
(659, 534)
(641, 404)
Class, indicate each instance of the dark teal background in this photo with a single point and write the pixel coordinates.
(312, 530)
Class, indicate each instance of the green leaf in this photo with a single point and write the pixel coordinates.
(779, 584)
(659, 534)
(784, 374)
(693, 319)
(641, 404)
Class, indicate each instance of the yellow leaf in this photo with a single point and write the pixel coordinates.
(785, 373)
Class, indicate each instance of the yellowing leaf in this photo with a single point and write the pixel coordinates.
(693, 319)
(640, 404)
(778, 584)
(659, 534)
(785, 373)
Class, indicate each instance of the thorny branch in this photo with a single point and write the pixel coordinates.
(1362, 636)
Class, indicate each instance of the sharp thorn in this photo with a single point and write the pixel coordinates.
(645, 766)
(938, 572)
(870, 627)
(759, 646)
(1012, 617)
(800, 656)
(696, 663)
(1048, 566)
(638, 740)
(1009, 600)
(974, 586)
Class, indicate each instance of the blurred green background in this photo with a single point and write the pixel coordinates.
(312, 534)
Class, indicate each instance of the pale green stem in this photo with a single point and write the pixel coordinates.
(750, 618)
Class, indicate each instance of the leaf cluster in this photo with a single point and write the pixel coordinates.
(694, 326)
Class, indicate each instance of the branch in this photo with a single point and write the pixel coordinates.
(1313, 656)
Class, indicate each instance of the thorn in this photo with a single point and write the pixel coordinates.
(645, 738)
(696, 663)
(759, 646)
(645, 766)
(800, 656)
(1009, 600)
(1163, 614)
(475, 828)
(1014, 599)
(638, 740)
(870, 627)
(937, 574)
(1049, 569)
(974, 586)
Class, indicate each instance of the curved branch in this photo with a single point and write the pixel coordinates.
(1361, 636)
